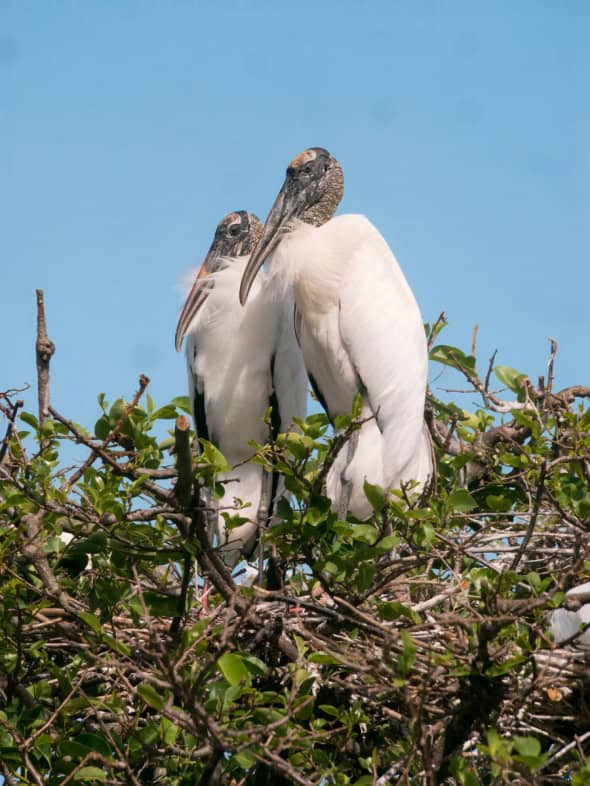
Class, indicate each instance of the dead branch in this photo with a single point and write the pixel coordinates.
(44, 352)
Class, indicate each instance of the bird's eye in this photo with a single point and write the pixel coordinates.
(234, 229)
(308, 169)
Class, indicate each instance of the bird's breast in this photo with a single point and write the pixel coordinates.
(308, 260)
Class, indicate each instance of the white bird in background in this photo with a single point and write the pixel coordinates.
(574, 618)
(358, 324)
(240, 361)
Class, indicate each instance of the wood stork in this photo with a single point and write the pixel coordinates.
(358, 324)
(240, 361)
(574, 618)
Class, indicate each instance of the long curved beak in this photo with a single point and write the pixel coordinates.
(286, 207)
(198, 295)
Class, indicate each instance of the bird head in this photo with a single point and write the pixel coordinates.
(312, 191)
(236, 236)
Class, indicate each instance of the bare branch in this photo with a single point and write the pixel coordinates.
(474, 340)
(44, 352)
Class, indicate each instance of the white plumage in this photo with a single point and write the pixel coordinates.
(240, 361)
(358, 324)
(566, 623)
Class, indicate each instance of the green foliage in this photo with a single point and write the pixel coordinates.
(413, 642)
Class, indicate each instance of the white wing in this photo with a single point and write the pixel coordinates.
(290, 376)
(383, 333)
(230, 350)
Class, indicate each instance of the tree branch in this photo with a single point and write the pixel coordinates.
(44, 352)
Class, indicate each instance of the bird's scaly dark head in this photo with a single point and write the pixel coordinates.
(236, 236)
(312, 191)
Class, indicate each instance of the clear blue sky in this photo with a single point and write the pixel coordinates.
(128, 129)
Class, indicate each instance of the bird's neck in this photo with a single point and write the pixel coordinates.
(305, 261)
(322, 211)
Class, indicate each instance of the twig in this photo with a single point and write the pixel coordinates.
(438, 325)
(143, 383)
(436, 599)
(33, 551)
(562, 751)
(533, 519)
(11, 417)
(34, 773)
(489, 371)
(283, 767)
(550, 364)
(474, 340)
(50, 721)
(210, 561)
(161, 494)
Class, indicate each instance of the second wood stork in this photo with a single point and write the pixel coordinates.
(240, 361)
(572, 621)
(358, 324)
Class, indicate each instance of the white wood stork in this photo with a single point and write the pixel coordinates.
(574, 618)
(358, 324)
(240, 361)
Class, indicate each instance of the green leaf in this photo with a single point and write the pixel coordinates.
(214, 457)
(357, 406)
(461, 501)
(29, 419)
(295, 444)
(151, 696)
(168, 731)
(527, 746)
(244, 760)
(102, 427)
(376, 496)
(365, 576)
(452, 356)
(388, 543)
(510, 377)
(393, 610)
(116, 646)
(117, 411)
(498, 502)
(407, 657)
(255, 665)
(91, 620)
(325, 659)
(342, 422)
(365, 533)
(233, 668)
(94, 742)
(165, 413)
(328, 709)
(183, 403)
(90, 774)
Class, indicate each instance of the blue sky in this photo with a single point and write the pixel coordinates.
(128, 129)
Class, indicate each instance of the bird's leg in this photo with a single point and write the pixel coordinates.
(262, 518)
(343, 501)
